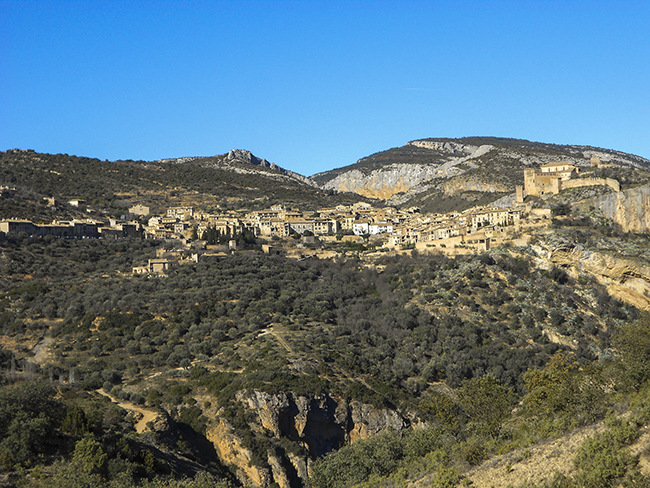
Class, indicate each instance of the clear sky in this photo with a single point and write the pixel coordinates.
(314, 85)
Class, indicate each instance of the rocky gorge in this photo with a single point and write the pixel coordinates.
(315, 425)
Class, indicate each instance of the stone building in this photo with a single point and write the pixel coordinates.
(548, 179)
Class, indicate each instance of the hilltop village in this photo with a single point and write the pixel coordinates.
(198, 234)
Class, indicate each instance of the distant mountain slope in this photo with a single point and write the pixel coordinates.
(236, 178)
(442, 174)
(243, 162)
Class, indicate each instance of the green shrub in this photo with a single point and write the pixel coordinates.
(632, 342)
(603, 461)
(28, 416)
(379, 455)
(487, 404)
(89, 455)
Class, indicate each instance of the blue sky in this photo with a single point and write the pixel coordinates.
(316, 85)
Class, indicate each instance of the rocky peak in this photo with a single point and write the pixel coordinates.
(244, 156)
(248, 158)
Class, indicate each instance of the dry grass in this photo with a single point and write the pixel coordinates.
(533, 464)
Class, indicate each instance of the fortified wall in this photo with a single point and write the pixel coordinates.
(554, 177)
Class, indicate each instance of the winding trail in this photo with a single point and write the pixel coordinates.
(146, 415)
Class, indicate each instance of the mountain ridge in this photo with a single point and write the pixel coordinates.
(432, 168)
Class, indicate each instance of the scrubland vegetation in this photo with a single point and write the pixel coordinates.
(480, 355)
(462, 344)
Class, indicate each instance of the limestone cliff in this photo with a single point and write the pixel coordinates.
(319, 424)
(384, 182)
(232, 452)
(627, 279)
(630, 209)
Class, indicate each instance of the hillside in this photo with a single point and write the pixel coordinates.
(274, 362)
(234, 180)
(453, 174)
(324, 361)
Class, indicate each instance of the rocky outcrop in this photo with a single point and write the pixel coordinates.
(466, 151)
(231, 451)
(385, 182)
(366, 420)
(280, 476)
(630, 209)
(245, 157)
(460, 185)
(319, 424)
(300, 464)
(627, 279)
(389, 180)
(243, 162)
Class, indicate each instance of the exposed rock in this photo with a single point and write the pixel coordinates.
(231, 452)
(367, 420)
(279, 474)
(392, 179)
(268, 409)
(300, 464)
(626, 279)
(508, 201)
(459, 185)
(385, 182)
(629, 208)
(244, 156)
(320, 424)
(243, 161)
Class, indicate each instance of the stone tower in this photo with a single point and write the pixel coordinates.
(530, 186)
(520, 194)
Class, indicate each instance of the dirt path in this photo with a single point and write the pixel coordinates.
(279, 338)
(145, 415)
(282, 341)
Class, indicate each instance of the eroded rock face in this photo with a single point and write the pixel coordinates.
(626, 279)
(367, 420)
(280, 476)
(320, 424)
(268, 408)
(629, 208)
(459, 185)
(245, 157)
(387, 181)
(231, 452)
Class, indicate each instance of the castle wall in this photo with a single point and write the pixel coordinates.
(541, 183)
(612, 183)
